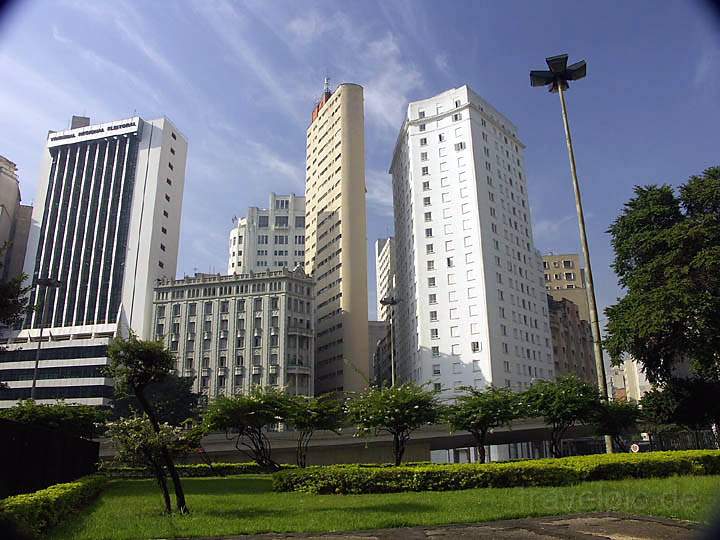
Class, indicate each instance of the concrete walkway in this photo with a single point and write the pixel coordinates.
(579, 526)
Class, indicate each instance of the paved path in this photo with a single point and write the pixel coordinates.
(575, 527)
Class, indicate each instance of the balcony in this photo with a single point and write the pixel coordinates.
(256, 370)
(207, 335)
(205, 372)
(222, 370)
(273, 369)
(223, 334)
(299, 330)
(240, 332)
(297, 369)
(239, 370)
(191, 336)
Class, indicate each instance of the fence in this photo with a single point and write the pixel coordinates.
(33, 457)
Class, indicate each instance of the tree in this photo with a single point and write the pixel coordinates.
(561, 403)
(136, 365)
(309, 414)
(617, 418)
(398, 410)
(479, 411)
(657, 413)
(13, 295)
(697, 406)
(247, 418)
(667, 258)
(173, 400)
(137, 442)
(75, 420)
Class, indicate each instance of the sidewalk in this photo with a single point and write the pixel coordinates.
(607, 525)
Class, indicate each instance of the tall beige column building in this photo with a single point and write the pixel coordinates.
(336, 240)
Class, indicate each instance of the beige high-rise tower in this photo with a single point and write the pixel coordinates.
(335, 239)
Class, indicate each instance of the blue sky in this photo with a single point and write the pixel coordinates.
(239, 79)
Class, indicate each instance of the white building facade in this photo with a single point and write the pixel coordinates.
(232, 333)
(384, 274)
(106, 223)
(469, 281)
(269, 238)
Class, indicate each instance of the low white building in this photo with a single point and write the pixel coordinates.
(234, 332)
(469, 281)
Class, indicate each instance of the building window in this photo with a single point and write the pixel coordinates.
(432, 299)
(423, 141)
(435, 351)
(459, 146)
(456, 117)
(433, 316)
(436, 369)
(426, 186)
(434, 333)
(431, 265)
(426, 201)
(431, 282)
(475, 346)
(425, 171)
(428, 233)
(421, 127)
(441, 137)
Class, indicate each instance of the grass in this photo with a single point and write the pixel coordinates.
(130, 509)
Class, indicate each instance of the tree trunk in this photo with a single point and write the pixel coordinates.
(179, 493)
(398, 448)
(160, 477)
(480, 445)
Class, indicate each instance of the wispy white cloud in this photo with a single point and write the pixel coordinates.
(379, 195)
(107, 67)
(131, 27)
(549, 230)
(388, 87)
(227, 23)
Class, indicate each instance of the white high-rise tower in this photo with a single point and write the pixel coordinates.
(106, 224)
(472, 308)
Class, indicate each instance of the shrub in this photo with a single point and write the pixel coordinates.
(541, 472)
(34, 513)
(195, 470)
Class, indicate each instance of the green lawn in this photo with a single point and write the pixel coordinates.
(246, 504)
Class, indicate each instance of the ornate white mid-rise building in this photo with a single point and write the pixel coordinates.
(269, 238)
(472, 309)
(106, 224)
(231, 333)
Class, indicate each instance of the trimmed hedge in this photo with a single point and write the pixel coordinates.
(35, 513)
(541, 472)
(191, 470)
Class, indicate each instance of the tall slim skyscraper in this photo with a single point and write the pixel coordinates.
(384, 274)
(472, 305)
(269, 238)
(106, 224)
(335, 238)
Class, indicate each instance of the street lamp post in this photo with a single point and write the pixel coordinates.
(557, 79)
(46, 283)
(392, 302)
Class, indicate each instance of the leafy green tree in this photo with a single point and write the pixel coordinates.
(617, 418)
(172, 398)
(78, 420)
(398, 410)
(247, 419)
(479, 411)
(138, 443)
(136, 365)
(309, 414)
(13, 295)
(698, 406)
(667, 258)
(657, 414)
(561, 403)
